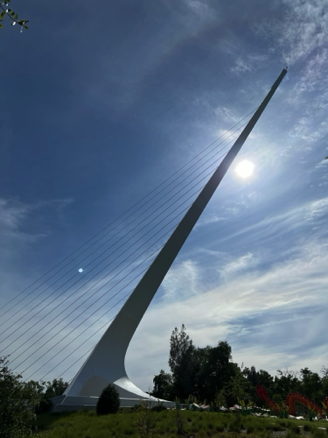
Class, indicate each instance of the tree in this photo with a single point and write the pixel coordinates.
(109, 401)
(266, 380)
(184, 378)
(48, 390)
(311, 386)
(251, 375)
(215, 371)
(183, 363)
(180, 346)
(13, 16)
(286, 382)
(201, 372)
(324, 380)
(17, 403)
(220, 398)
(55, 388)
(163, 385)
(324, 370)
(239, 388)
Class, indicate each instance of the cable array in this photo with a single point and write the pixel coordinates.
(62, 306)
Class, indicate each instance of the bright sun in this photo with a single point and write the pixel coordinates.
(245, 169)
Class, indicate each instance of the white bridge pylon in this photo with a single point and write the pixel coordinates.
(106, 362)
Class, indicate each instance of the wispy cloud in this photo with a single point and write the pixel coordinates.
(18, 219)
(241, 66)
(238, 265)
(200, 8)
(181, 281)
(265, 309)
(304, 29)
(304, 129)
(14, 234)
(210, 219)
(299, 36)
(261, 307)
(226, 114)
(301, 28)
(317, 209)
(12, 215)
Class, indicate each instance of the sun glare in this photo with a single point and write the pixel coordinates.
(245, 169)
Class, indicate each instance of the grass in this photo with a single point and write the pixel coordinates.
(145, 423)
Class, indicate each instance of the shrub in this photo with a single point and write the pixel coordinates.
(277, 428)
(295, 429)
(109, 401)
(307, 428)
(159, 408)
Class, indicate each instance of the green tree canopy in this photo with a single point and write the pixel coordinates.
(215, 370)
(209, 374)
(180, 347)
(239, 388)
(201, 372)
(109, 401)
(17, 403)
(163, 385)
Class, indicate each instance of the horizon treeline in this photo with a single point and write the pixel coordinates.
(210, 375)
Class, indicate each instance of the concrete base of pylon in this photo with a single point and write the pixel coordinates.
(130, 395)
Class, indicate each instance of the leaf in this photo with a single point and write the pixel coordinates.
(3, 13)
(25, 27)
(16, 16)
(12, 13)
(1, 25)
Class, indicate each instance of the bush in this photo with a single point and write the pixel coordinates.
(109, 401)
(17, 403)
(295, 429)
(47, 391)
(277, 428)
(307, 428)
(159, 408)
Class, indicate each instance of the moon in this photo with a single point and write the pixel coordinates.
(80, 270)
(244, 169)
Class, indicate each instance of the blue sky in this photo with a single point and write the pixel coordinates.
(100, 104)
